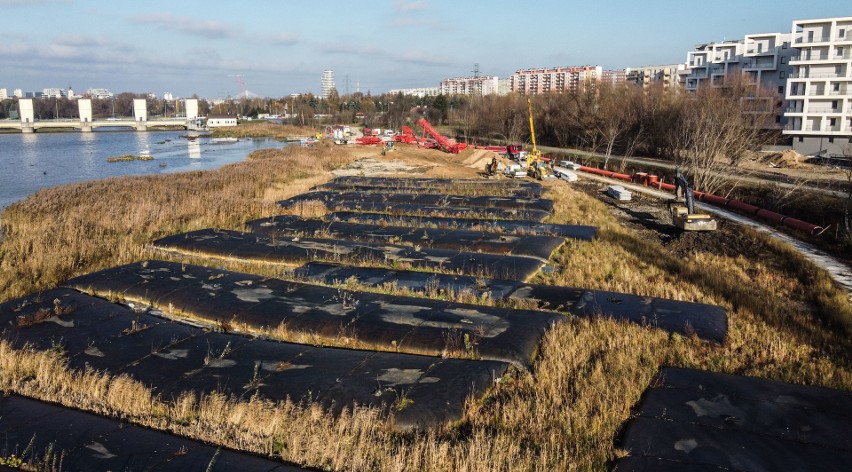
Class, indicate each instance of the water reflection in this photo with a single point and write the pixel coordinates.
(193, 148)
(143, 143)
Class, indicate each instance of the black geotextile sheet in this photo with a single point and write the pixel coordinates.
(441, 200)
(172, 358)
(31, 430)
(708, 322)
(518, 188)
(349, 318)
(459, 240)
(585, 233)
(695, 420)
(296, 250)
(416, 209)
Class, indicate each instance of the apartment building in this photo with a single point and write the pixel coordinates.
(614, 77)
(761, 63)
(819, 91)
(646, 76)
(417, 91)
(4, 94)
(53, 93)
(474, 85)
(711, 63)
(100, 93)
(327, 84)
(555, 80)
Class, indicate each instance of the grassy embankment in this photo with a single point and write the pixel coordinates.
(562, 416)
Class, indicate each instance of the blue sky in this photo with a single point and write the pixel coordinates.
(282, 47)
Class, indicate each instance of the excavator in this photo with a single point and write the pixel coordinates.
(683, 212)
(536, 166)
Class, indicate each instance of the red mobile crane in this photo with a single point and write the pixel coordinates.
(446, 144)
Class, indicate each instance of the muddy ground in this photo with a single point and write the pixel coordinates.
(650, 217)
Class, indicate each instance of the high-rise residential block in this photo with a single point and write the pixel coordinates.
(557, 79)
(474, 85)
(819, 91)
(327, 84)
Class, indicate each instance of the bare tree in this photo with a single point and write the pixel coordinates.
(718, 127)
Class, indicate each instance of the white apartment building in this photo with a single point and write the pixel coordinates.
(819, 91)
(52, 93)
(4, 94)
(557, 79)
(711, 63)
(646, 76)
(474, 85)
(327, 84)
(18, 93)
(760, 62)
(417, 92)
(100, 93)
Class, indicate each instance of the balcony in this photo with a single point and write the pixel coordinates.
(824, 110)
(759, 65)
(820, 75)
(821, 57)
(763, 52)
(820, 39)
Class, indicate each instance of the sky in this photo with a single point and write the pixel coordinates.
(278, 47)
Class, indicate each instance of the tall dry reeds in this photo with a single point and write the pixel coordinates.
(263, 130)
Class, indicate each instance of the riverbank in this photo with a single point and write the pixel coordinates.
(562, 415)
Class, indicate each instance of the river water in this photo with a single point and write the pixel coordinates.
(29, 162)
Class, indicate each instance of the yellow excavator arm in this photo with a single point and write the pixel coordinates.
(535, 154)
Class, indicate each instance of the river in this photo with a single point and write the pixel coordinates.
(29, 162)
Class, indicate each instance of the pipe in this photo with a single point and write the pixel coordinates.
(651, 180)
(800, 225)
(768, 215)
(743, 207)
(713, 199)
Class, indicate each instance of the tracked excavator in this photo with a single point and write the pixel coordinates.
(683, 212)
(537, 167)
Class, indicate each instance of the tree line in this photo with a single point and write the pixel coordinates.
(708, 132)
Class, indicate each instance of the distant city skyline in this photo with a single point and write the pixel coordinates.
(277, 48)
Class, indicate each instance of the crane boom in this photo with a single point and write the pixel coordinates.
(444, 143)
(536, 166)
(532, 126)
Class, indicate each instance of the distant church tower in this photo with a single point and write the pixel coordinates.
(327, 83)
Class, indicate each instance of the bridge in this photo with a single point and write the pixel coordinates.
(139, 122)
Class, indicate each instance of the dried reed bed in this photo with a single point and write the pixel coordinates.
(564, 415)
(263, 130)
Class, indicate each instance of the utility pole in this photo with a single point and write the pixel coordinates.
(477, 83)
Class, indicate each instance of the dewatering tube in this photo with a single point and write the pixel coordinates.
(650, 180)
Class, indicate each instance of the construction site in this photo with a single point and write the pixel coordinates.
(415, 303)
